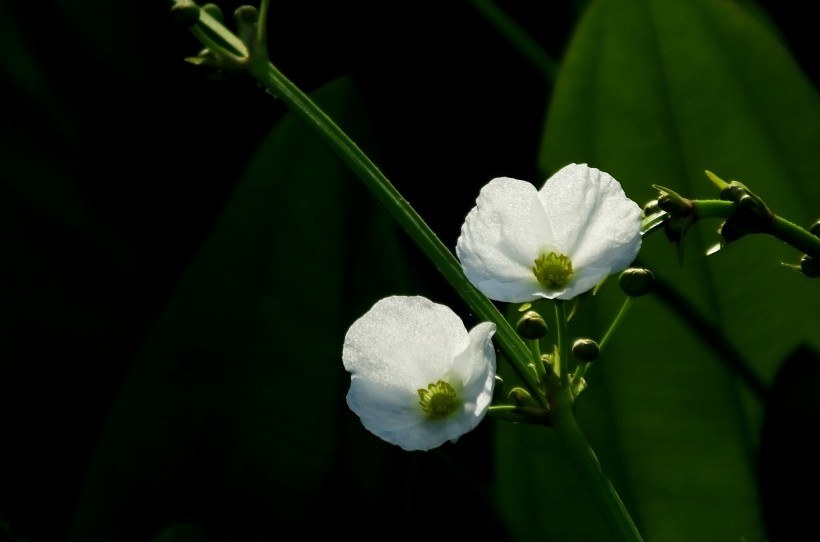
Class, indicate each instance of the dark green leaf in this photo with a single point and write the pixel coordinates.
(657, 92)
(233, 415)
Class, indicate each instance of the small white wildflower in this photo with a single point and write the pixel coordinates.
(519, 244)
(418, 377)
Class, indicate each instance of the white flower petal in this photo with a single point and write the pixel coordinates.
(404, 344)
(404, 341)
(500, 239)
(582, 213)
(584, 280)
(393, 415)
(476, 367)
(590, 212)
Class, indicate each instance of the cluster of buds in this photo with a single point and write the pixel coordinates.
(743, 213)
(810, 266)
(751, 214)
(225, 54)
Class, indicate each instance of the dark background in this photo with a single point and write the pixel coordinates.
(97, 93)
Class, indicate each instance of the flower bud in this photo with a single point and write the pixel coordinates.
(246, 15)
(636, 281)
(214, 11)
(675, 228)
(673, 203)
(247, 19)
(585, 350)
(549, 362)
(531, 325)
(809, 266)
(731, 230)
(815, 229)
(185, 13)
(651, 208)
(498, 389)
(732, 192)
(520, 397)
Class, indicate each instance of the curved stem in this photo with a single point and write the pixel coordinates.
(526, 45)
(562, 359)
(538, 363)
(271, 78)
(562, 416)
(520, 414)
(618, 319)
(404, 214)
(603, 493)
(798, 237)
(785, 230)
(516, 350)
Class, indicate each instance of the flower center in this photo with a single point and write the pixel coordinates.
(553, 270)
(439, 400)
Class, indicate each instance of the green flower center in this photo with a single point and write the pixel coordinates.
(553, 270)
(439, 400)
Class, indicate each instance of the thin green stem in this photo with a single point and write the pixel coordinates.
(540, 370)
(508, 340)
(581, 370)
(562, 417)
(603, 493)
(800, 238)
(781, 228)
(521, 40)
(615, 322)
(562, 355)
(520, 414)
(506, 337)
(577, 377)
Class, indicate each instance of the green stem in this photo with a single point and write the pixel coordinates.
(508, 340)
(562, 355)
(538, 363)
(788, 232)
(520, 414)
(798, 237)
(577, 377)
(582, 455)
(526, 45)
(618, 319)
(562, 417)
(516, 350)
(581, 370)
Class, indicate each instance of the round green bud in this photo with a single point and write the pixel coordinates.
(520, 397)
(675, 205)
(636, 281)
(731, 230)
(185, 13)
(214, 11)
(498, 389)
(815, 229)
(531, 326)
(585, 350)
(675, 228)
(549, 362)
(731, 192)
(651, 208)
(809, 266)
(246, 15)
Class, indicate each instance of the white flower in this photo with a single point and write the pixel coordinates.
(520, 244)
(418, 378)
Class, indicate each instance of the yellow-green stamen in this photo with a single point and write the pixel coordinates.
(553, 270)
(439, 400)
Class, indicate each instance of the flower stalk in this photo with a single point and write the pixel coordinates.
(588, 466)
(517, 353)
(403, 213)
